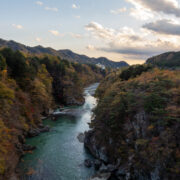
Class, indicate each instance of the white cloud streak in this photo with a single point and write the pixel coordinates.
(164, 26)
(17, 26)
(74, 6)
(118, 11)
(51, 9)
(78, 36)
(38, 39)
(39, 3)
(54, 32)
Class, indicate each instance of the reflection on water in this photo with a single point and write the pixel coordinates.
(59, 154)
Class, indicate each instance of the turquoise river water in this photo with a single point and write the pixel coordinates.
(59, 154)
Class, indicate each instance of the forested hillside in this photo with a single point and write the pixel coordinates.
(63, 54)
(29, 88)
(136, 126)
(166, 60)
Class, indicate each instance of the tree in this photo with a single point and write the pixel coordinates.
(3, 64)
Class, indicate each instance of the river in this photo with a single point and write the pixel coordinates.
(59, 154)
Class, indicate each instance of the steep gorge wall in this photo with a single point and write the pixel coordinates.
(136, 129)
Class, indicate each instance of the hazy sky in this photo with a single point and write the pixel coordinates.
(130, 30)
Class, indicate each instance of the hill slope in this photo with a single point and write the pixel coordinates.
(29, 88)
(169, 59)
(63, 54)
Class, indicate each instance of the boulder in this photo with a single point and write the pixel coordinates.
(88, 163)
(21, 139)
(81, 137)
(27, 147)
(121, 172)
(111, 168)
(33, 132)
(45, 129)
(103, 169)
(101, 176)
(37, 131)
(97, 164)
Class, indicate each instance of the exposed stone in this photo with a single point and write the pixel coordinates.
(81, 137)
(37, 131)
(21, 139)
(101, 176)
(97, 164)
(27, 147)
(91, 144)
(33, 132)
(103, 168)
(121, 172)
(45, 129)
(88, 163)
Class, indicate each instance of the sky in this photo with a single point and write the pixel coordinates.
(128, 30)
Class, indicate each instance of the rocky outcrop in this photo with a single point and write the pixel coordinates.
(27, 147)
(72, 101)
(81, 137)
(92, 145)
(37, 131)
(117, 169)
(88, 163)
(101, 176)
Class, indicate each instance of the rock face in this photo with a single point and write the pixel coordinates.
(88, 163)
(136, 129)
(37, 131)
(72, 101)
(81, 137)
(122, 171)
(101, 176)
(26, 147)
(91, 144)
(97, 164)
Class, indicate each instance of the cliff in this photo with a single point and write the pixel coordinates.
(136, 128)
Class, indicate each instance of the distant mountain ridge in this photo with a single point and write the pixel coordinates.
(63, 54)
(168, 60)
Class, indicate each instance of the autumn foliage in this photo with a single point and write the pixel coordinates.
(140, 116)
(29, 88)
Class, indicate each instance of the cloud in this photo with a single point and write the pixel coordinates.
(78, 17)
(39, 3)
(90, 47)
(17, 26)
(165, 6)
(74, 6)
(164, 26)
(54, 32)
(38, 39)
(145, 51)
(127, 41)
(118, 11)
(51, 9)
(141, 14)
(78, 36)
(99, 31)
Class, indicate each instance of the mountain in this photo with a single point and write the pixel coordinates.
(169, 60)
(63, 54)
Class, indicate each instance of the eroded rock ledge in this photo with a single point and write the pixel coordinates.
(117, 169)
